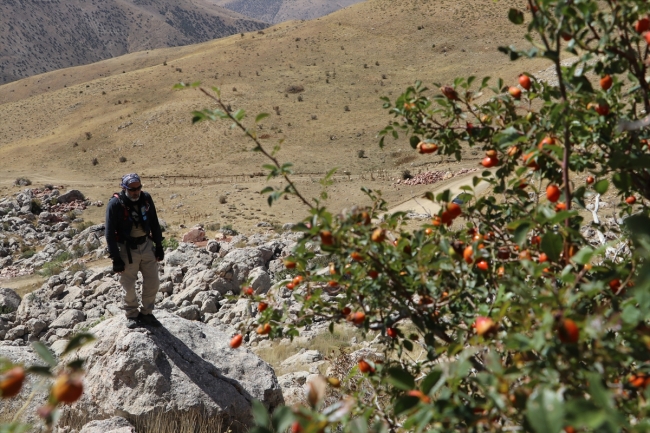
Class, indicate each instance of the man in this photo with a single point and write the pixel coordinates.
(132, 229)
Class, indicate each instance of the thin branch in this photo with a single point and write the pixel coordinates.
(259, 145)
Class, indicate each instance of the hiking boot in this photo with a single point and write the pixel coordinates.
(133, 322)
(149, 319)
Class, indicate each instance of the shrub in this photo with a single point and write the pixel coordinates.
(523, 324)
(35, 206)
(229, 231)
(406, 174)
(22, 181)
(170, 243)
(361, 153)
(27, 253)
(223, 199)
(95, 161)
(122, 158)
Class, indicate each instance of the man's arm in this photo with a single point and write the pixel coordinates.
(154, 224)
(111, 227)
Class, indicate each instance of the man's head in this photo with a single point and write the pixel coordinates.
(131, 186)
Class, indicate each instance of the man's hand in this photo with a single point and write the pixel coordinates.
(118, 265)
(159, 253)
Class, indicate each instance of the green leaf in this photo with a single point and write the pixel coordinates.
(601, 186)
(545, 411)
(45, 353)
(552, 244)
(195, 84)
(261, 116)
(282, 419)
(414, 140)
(359, 425)
(40, 370)
(260, 414)
(179, 86)
(78, 341)
(407, 345)
(400, 379)
(239, 114)
(430, 380)
(583, 256)
(405, 403)
(521, 232)
(516, 16)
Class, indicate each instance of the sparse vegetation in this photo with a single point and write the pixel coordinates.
(22, 181)
(122, 158)
(170, 243)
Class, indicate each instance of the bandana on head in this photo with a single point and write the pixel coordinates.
(128, 179)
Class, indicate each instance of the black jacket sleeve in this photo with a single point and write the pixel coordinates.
(154, 224)
(111, 227)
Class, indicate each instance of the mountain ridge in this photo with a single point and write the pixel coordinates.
(57, 35)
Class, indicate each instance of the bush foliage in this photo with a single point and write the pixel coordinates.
(525, 324)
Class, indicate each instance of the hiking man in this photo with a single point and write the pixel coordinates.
(132, 229)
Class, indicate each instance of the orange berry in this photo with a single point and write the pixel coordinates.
(606, 82)
(630, 200)
(291, 286)
(235, 342)
(365, 367)
(482, 264)
(326, 237)
(11, 382)
(391, 332)
(553, 193)
(424, 148)
(264, 329)
(568, 331)
(419, 394)
(357, 257)
(358, 318)
(262, 306)
(524, 81)
(468, 254)
(67, 389)
(484, 325)
(378, 235)
(289, 264)
(515, 92)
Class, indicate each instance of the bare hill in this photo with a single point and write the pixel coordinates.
(277, 11)
(54, 125)
(37, 37)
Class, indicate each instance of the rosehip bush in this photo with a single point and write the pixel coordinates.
(66, 389)
(524, 324)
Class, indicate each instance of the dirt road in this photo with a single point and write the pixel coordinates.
(421, 205)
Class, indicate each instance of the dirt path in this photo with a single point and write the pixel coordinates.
(420, 204)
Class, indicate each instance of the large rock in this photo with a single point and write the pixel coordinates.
(8, 408)
(116, 424)
(9, 301)
(182, 367)
(68, 319)
(196, 234)
(72, 195)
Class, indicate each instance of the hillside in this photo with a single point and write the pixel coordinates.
(124, 109)
(51, 35)
(277, 11)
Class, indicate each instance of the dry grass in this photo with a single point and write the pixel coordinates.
(192, 421)
(24, 285)
(203, 162)
(326, 343)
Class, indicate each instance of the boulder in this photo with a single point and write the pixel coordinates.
(9, 301)
(260, 280)
(68, 319)
(26, 356)
(196, 234)
(183, 367)
(303, 359)
(116, 424)
(72, 195)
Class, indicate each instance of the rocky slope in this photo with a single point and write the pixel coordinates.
(52, 35)
(277, 11)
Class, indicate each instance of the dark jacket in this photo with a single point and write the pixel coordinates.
(119, 222)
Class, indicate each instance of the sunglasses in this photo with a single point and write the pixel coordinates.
(138, 188)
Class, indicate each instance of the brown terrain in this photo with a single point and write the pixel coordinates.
(123, 114)
(41, 36)
(277, 11)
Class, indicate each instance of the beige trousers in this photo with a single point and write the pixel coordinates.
(144, 261)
